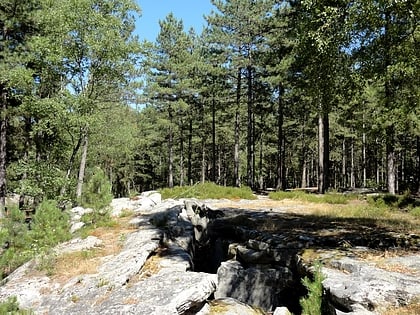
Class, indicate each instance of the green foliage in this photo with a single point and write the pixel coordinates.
(97, 193)
(49, 226)
(312, 303)
(330, 198)
(415, 212)
(207, 191)
(11, 306)
(97, 218)
(404, 202)
(14, 236)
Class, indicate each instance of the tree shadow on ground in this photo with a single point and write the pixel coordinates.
(314, 231)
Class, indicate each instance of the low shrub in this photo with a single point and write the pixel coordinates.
(49, 226)
(312, 302)
(11, 306)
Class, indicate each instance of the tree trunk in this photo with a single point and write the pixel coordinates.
(352, 175)
(82, 167)
(390, 158)
(303, 159)
(189, 166)
(181, 155)
(418, 164)
(323, 151)
(70, 167)
(203, 161)
(344, 164)
(250, 134)
(260, 165)
(3, 138)
(213, 137)
(170, 150)
(280, 159)
(237, 128)
(389, 130)
(364, 162)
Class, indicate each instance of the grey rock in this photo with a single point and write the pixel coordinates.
(361, 287)
(229, 306)
(256, 285)
(78, 244)
(281, 311)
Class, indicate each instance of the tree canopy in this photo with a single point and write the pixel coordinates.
(272, 94)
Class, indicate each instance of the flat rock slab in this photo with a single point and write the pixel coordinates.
(360, 287)
(164, 293)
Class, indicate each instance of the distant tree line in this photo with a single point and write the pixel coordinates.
(272, 94)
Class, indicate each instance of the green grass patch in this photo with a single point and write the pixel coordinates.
(207, 191)
(396, 202)
(415, 212)
(330, 198)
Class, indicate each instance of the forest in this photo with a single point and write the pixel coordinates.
(270, 95)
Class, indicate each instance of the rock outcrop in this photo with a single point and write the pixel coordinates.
(183, 257)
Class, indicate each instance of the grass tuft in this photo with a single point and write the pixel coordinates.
(207, 191)
(330, 198)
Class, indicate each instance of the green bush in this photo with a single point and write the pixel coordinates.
(98, 218)
(312, 303)
(97, 191)
(11, 306)
(50, 226)
(207, 191)
(15, 241)
(404, 201)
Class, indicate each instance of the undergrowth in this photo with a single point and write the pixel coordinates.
(312, 302)
(207, 191)
(330, 198)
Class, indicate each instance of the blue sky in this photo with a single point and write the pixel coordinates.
(189, 11)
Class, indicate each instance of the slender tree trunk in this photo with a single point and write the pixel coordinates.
(364, 162)
(344, 164)
(70, 167)
(303, 182)
(352, 164)
(390, 157)
(213, 137)
(82, 167)
(280, 157)
(237, 128)
(181, 155)
(250, 135)
(219, 165)
(3, 138)
(260, 166)
(203, 161)
(170, 150)
(418, 164)
(189, 166)
(304, 173)
(390, 130)
(323, 151)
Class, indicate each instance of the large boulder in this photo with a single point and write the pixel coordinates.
(258, 285)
